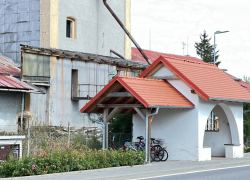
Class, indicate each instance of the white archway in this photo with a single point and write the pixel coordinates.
(227, 133)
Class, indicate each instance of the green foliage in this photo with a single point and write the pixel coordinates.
(206, 50)
(246, 117)
(246, 79)
(112, 74)
(121, 123)
(69, 160)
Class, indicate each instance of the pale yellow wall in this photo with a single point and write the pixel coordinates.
(128, 26)
(49, 12)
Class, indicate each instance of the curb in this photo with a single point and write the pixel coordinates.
(76, 172)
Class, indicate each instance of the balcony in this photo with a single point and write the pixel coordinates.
(85, 91)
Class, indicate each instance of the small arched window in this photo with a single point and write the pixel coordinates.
(71, 28)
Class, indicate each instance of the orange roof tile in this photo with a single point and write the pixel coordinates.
(206, 79)
(148, 91)
(156, 92)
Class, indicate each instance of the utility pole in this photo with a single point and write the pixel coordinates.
(184, 44)
(149, 38)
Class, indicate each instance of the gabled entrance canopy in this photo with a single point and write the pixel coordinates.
(130, 95)
(127, 93)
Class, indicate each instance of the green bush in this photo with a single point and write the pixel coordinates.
(68, 160)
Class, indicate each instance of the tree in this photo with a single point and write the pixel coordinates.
(246, 107)
(205, 50)
(246, 79)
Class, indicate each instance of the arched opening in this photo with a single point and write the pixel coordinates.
(220, 130)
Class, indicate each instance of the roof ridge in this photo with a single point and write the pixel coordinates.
(165, 53)
(188, 61)
(146, 79)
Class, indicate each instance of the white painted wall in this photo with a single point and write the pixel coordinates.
(184, 130)
(179, 128)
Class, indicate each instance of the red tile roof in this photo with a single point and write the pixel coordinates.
(13, 83)
(148, 91)
(153, 55)
(7, 67)
(206, 79)
(155, 92)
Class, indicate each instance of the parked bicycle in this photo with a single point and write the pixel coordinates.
(156, 151)
(160, 142)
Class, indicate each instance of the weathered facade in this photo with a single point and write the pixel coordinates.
(69, 79)
(43, 23)
(13, 93)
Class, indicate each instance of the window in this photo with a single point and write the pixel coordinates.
(212, 122)
(70, 28)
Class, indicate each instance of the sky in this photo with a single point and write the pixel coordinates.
(175, 21)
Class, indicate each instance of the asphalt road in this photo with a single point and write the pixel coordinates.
(236, 173)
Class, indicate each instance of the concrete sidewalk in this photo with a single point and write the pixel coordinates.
(154, 169)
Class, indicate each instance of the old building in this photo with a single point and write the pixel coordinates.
(69, 79)
(66, 52)
(84, 26)
(13, 95)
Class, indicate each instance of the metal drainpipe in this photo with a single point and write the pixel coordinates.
(103, 130)
(127, 32)
(147, 145)
(22, 108)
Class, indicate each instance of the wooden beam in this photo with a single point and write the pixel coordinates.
(140, 113)
(119, 105)
(112, 114)
(126, 69)
(165, 77)
(119, 94)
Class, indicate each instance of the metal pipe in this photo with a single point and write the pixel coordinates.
(103, 129)
(232, 100)
(172, 107)
(22, 111)
(147, 145)
(28, 144)
(120, 56)
(127, 32)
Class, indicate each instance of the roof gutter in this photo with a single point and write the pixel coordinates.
(127, 32)
(103, 129)
(232, 100)
(172, 107)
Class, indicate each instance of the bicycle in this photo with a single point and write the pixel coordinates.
(112, 146)
(159, 143)
(156, 152)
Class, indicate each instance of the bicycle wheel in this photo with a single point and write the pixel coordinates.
(159, 153)
(165, 157)
(152, 154)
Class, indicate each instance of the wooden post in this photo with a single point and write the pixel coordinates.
(105, 115)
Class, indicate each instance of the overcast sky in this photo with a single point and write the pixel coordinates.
(172, 21)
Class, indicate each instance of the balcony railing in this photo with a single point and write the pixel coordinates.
(85, 91)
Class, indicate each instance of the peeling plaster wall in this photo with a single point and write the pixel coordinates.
(10, 106)
(96, 29)
(61, 108)
(38, 106)
(19, 24)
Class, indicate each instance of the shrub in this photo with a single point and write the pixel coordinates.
(68, 160)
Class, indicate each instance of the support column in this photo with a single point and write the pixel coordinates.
(148, 111)
(105, 120)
